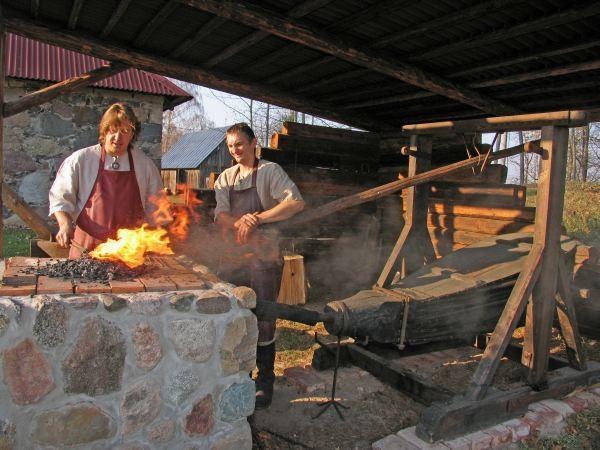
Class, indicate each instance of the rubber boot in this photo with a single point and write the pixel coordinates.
(265, 362)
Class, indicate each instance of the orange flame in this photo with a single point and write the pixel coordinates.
(172, 222)
(131, 246)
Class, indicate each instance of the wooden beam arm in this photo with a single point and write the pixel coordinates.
(104, 49)
(48, 93)
(395, 186)
(292, 30)
(11, 200)
(520, 122)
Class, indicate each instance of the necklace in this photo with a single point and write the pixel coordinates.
(115, 163)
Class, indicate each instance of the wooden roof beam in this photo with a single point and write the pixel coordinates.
(34, 8)
(296, 12)
(461, 14)
(525, 58)
(105, 49)
(200, 34)
(552, 20)
(501, 81)
(155, 22)
(292, 30)
(74, 14)
(51, 92)
(114, 19)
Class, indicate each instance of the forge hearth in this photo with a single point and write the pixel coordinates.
(29, 276)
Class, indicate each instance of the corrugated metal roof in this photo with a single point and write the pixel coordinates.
(35, 60)
(193, 148)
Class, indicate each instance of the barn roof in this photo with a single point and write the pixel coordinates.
(375, 64)
(193, 148)
(35, 60)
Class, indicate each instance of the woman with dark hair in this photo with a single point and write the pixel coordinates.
(102, 188)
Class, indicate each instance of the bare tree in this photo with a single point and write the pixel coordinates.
(184, 118)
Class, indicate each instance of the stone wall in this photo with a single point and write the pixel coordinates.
(147, 370)
(36, 141)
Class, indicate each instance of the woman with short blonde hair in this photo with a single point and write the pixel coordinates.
(105, 187)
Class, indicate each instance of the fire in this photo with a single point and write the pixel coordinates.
(131, 246)
(172, 222)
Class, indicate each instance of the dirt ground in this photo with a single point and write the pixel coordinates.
(375, 409)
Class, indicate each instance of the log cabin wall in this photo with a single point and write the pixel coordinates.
(463, 208)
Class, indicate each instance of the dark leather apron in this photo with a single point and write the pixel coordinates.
(114, 203)
(262, 270)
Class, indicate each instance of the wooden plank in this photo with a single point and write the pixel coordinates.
(26, 213)
(56, 90)
(50, 285)
(74, 14)
(324, 146)
(479, 224)
(274, 23)
(125, 286)
(114, 51)
(187, 281)
(407, 381)
(91, 288)
(548, 220)
(461, 416)
(202, 32)
(52, 249)
(158, 283)
(19, 276)
(9, 291)
(22, 261)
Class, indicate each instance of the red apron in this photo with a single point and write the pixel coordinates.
(262, 272)
(115, 202)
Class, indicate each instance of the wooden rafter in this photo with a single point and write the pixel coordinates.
(334, 79)
(114, 19)
(155, 22)
(536, 55)
(48, 93)
(292, 30)
(379, 9)
(461, 15)
(34, 8)
(204, 31)
(551, 20)
(74, 14)
(296, 12)
(501, 81)
(105, 49)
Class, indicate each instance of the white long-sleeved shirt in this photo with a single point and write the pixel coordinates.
(272, 184)
(77, 174)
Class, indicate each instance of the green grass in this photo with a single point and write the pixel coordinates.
(582, 432)
(581, 217)
(16, 242)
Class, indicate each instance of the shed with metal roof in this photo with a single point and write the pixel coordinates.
(194, 157)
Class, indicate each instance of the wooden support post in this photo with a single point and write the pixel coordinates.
(567, 320)
(1, 126)
(548, 220)
(414, 243)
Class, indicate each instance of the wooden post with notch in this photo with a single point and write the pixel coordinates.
(414, 244)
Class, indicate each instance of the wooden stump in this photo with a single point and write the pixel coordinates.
(292, 290)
